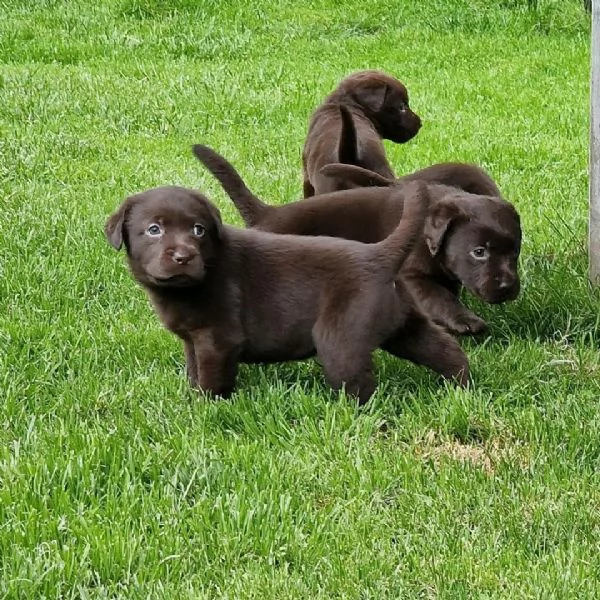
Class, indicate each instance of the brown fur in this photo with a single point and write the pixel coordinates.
(365, 108)
(467, 177)
(441, 262)
(236, 295)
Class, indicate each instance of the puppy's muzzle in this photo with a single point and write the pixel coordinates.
(182, 255)
(507, 289)
(410, 126)
(415, 121)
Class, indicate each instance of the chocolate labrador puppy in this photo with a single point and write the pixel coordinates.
(365, 108)
(469, 240)
(236, 295)
(475, 237)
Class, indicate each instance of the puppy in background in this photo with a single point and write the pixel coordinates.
(241, 295)
(366, 108)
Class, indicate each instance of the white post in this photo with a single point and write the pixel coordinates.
(594, 216)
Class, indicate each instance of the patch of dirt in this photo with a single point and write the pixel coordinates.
(486, 456)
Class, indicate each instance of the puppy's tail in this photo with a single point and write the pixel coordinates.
(391, 252)
(348, 144)
(249, 206)
(355, 174)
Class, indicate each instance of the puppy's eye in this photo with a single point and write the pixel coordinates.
(479, 253)
(154, 229)
(199, 230)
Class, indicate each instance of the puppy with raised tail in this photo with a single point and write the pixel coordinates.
(236, 295)
(366, 108)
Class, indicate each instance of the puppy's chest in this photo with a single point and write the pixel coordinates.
(182, 315)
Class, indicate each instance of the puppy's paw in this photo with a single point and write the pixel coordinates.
(208, 394)
(466, 324)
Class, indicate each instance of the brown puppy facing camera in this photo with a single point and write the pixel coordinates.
(235, 295)
(472, 241)
(378, 108)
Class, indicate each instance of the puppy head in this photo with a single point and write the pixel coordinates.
(170, 233)
(477, 239)
(384, 100)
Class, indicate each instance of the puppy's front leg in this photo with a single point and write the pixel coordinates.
(216, 367)
(444, 308)
(426, 343)
(190, 362)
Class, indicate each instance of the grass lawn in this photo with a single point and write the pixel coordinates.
(117, 481)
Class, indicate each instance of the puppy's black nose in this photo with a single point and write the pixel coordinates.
(506, 283)
(182, 257)
(508, 289)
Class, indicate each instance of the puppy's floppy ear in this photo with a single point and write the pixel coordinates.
(114, 227)
(372, 96)
(438, 222)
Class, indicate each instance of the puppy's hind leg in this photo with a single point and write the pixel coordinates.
(350, 371)
(423, 342)
(346, 361)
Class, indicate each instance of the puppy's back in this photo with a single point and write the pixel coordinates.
(364, 214)
(465, 176)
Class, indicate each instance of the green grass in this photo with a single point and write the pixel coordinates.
(117, 481)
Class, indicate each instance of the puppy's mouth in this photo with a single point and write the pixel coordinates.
(498, 296)
(178, 280)
(406, 134)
